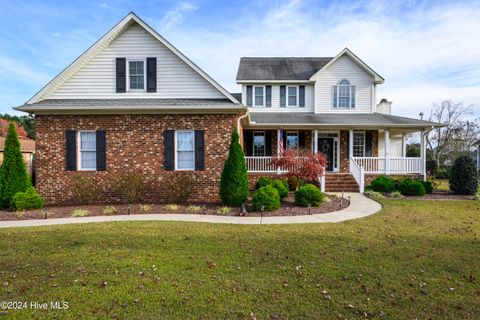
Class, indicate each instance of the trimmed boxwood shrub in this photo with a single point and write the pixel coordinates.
(267, 198)
(29, 199)
(463, 176)
(263, 182)
(382, 184)
(308, 195)
(279, 184)
(410, 187)
(428, 186)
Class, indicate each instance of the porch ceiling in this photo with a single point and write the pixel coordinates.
(330, 120)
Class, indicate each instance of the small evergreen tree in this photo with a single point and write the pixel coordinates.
(234, 181)
(13, 173)
(463, 176)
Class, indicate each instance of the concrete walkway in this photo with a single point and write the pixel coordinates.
(360, 206)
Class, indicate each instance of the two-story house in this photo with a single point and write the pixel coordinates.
(328, 105)
(134, 103)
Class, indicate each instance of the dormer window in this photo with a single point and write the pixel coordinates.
(136, 75)
(259, 96)
(343, 95)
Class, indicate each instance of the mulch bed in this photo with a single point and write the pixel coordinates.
(441, 195)
(288, 208)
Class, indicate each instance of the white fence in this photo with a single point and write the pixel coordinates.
(264, 164)
(358, 174)
(392, 166)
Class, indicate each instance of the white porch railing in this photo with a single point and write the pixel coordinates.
(394, 165)
(263, 164)
(358, 174)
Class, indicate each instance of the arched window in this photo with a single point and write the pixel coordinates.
(343, 95)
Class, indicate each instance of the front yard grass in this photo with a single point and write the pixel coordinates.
(415, 259)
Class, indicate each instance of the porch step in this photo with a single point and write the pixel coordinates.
(340, 182)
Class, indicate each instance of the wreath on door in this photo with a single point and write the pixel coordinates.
(324, 147)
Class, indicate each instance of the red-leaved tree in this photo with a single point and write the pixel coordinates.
(302, 163)
(22, 134)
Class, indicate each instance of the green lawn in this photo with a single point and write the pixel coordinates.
(415, 259)
(443, 184)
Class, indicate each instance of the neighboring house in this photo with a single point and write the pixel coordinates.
(27, 147)
(134, 103)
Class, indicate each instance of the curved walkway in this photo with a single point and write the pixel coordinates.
(360, 206)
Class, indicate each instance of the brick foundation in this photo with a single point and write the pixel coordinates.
(134, 144)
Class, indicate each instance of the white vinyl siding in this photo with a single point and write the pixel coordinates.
(276, 100)
(343, 68)
(395, 144)
(175, 79)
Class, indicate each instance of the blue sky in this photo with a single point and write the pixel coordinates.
(426, 50)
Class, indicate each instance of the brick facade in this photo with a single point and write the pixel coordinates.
(344, 157)
(134, 143)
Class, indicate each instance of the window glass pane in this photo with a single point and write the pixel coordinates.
(358, 144)
(88, 141)
(292, 96)
(185, 140)
(292, 140)
(259, 144)
(136, 74)
(89, 159)
(186, 160)
(259, 96)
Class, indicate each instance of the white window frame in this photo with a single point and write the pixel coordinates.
(286, 139)
(264, 97)
(176, 151)
(79, 151)
(357, 145)
(144, 75)
(297, 97)
(264, 143)
(351, 97)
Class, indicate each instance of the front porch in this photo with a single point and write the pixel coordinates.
(348, 151)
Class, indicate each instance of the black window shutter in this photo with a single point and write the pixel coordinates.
(169, 141)
(368, 144)
(249, 96)
(301, 139)
(268, 96)
(199, 150)
(71, 148)
(121, 74)
(301, 96)
(248, 135)
(101, 151)
(151, 74)
(283, 96)
(268, 143)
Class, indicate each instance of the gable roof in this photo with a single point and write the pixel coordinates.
(279, 68)
(351, 55)
(107, 39)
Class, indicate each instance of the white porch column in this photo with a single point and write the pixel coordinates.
(387, 151)
(423, 155)
(278, 147)
(315, 141)
(350, 147)
(404, 145)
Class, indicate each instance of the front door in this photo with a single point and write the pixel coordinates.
(325, 146)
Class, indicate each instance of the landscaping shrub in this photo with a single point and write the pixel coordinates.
(145, 207)
(223, 210)
(442, 172)
(463, 176)
(234, 180)
(80, 213)
(279, 184)
(308, 195)
(83, 189)
(267, 198)
(109, 210)
(13, 173)
(194, 208)
(410, 187)
(428, 186)
(373, 194)
(292, 183)
(395, 194)
(29, 199)
(382, 184)
(171, 207)
(183, 188)
(128, 186)
(263, 182)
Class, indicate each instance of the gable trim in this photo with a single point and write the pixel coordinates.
(103, 42)
(377, 78)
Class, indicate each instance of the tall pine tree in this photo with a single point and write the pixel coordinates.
(234, 181)
(13, 173)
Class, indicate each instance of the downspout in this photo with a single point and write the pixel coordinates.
(238, 127)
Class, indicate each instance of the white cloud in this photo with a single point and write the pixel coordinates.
(425, 52)
(176, 15)
(18, 70)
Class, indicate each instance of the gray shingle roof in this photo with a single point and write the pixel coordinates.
(92, 104)
(358, 120)
(291, 68)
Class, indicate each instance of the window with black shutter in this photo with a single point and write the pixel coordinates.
(121, 74)
(71, 150)
(151, 74)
